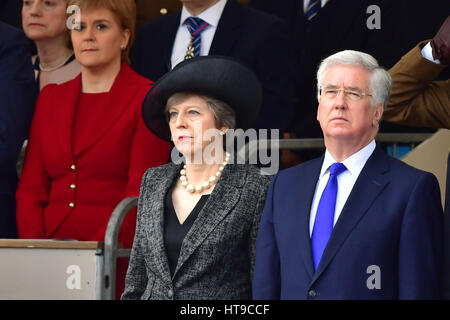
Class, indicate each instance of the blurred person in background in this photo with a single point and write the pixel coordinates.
(44, 22)
(17, 98)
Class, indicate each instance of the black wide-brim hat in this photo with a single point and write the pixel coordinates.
(220, 77)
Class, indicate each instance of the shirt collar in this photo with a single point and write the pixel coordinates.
(211, 15)
(354, 164)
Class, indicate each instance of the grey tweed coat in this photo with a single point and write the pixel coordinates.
(217, 255)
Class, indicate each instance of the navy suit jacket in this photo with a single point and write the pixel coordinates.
(254, 38)
(392, 220)
(17, 98)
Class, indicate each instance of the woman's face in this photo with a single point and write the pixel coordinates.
(193, 127)
(44, 19)
(99, 39)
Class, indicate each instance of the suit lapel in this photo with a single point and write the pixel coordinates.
(303, 201)
(220, 203)
(367, 188)
(168, 39)
(227, 29)
(156, 229)
(122, 92)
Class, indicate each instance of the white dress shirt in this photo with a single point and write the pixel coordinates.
(211, 16)
(346, 180)
(427, 53)
(307, 2)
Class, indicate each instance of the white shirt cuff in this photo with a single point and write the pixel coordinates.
(427, 53)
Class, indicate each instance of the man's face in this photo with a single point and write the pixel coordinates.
(342, 117)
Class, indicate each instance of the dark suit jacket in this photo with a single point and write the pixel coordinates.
(392, 219)
(254, 38)
(446, 283)
(341, 25)
(217, 255)
(17, 98)
(416, 99)
(10, 12)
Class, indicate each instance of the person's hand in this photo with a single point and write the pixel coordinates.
(441, 43)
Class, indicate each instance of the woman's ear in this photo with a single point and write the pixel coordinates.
(223, 130)
(126, 34)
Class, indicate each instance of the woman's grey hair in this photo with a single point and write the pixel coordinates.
(380, 79)
(223, 113)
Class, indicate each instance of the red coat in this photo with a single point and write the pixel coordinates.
(66, 193)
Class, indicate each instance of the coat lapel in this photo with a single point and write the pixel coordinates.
(227, 29)
(122, 92)
(156, 228)
(220, 203)
(367, 188)
(65, 111)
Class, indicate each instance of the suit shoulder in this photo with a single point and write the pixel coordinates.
(49, 90)
(254, 174)
(158, 173)
(405, 170)
(157, 23)
(9, 34)
(300, 169)
(400, 166)
(259, 16)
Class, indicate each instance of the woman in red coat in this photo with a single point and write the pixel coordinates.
(89, 146)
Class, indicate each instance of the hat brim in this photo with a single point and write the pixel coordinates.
(220, 77)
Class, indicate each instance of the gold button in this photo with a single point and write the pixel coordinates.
(73, 167)
(71, 204)
(72, 186)
(163, 11)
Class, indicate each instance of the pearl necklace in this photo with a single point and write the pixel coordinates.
(205, 185)
(55, 67)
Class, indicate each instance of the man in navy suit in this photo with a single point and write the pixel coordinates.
(254, 38)
(354, 223)
(17, 98)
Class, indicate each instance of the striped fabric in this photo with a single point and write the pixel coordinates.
(313, 9)
(195, 26)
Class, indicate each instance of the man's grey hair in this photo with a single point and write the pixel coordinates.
(223, 113)
(380, 79)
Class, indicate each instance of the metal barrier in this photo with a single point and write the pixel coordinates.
(251, 148)
(111, 250)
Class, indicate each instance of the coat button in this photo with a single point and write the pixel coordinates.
(71, 204)
(73, 167)
(170, 294)
(72, 186)
(163, 11)
(312, 293)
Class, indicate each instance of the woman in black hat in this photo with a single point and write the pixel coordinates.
(198, 220)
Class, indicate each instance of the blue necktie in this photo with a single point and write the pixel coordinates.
(312, 9)
(195, 26)
(323, 223)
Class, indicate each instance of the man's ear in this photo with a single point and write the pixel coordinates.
(378, 113)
